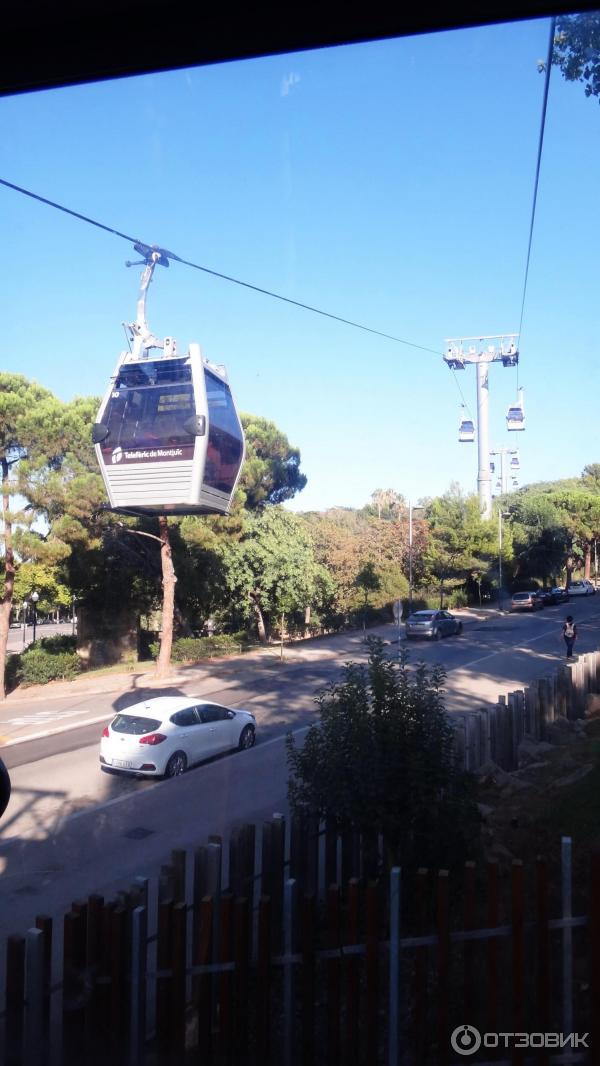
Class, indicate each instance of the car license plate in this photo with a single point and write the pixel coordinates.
(122, 763)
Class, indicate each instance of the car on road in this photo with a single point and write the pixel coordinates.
(582, 588)
(162, 737)
(432, 624)
(554, 595)
(560, 595)
(527, 601)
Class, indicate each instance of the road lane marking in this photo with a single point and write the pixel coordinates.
(54, 732)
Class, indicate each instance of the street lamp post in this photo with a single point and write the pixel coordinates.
(25, 606)
(501, 515)
(34, 599)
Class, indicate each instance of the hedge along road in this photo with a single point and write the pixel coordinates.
(65, 832)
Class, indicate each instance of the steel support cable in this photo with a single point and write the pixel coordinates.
(216, 273)
(462, 395)
(537, 171)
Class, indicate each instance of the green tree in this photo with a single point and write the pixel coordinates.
(577, 49)
(387, 504)
(368, 581)
(271, 569)
(460, 544)
(381, 760)
(46, 581)
(580, 514)
(34, 438)
(271, 471)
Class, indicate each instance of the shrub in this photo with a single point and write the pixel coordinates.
(190, 649)
(39, 664)
(458, 598)
(61, 642)
(381, 759)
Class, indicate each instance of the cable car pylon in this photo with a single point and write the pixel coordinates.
(466, 350)
(506, 469)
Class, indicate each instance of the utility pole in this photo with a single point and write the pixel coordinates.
(457, 358)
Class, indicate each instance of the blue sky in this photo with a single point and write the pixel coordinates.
(388, 183)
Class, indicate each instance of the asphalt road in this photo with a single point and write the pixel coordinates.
(18, 638)
(67, 829)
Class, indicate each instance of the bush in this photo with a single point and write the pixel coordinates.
(39, 664)
(190, 649)
(55, 645)
(458, 598)
(381, 759)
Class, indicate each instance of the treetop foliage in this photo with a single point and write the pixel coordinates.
(271, 471)
(577, 49)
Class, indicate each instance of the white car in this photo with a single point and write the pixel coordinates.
(161, 737)
(581, 588)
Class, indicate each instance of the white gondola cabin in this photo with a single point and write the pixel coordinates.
(168, 435)
(514, 463)
(515, 417)
(466, 429)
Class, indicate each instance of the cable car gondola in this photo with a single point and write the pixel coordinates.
(514, 462)
(168, 435)
(515, 417)
(492, 468)
(466, 429)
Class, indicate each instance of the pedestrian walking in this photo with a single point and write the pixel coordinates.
(569, 632)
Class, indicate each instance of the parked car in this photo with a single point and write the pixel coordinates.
(561, 595)
(548, 597)
(554, 595)
(432, 624)
(582, 588)
(526, 601)
(161, 737)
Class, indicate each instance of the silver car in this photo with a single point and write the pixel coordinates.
(432, 624)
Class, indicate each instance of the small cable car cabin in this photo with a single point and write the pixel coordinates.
(514, 463)
(492, 468)
(168, 437)
(466, 430)
(515, 417)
